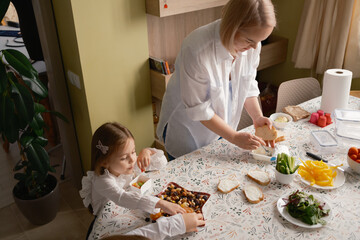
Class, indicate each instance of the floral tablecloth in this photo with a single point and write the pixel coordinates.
(231, 216)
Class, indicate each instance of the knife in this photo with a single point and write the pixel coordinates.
(316, 157)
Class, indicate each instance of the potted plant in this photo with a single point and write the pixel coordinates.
(36, 192)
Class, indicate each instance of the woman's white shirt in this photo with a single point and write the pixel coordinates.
(199, 88)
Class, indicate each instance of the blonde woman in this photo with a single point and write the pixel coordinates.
(214, 79)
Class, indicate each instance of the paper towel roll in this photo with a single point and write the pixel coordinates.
(336, 89)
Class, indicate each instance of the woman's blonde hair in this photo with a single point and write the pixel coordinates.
(238, 14)
(108, 138)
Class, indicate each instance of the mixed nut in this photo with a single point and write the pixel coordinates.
(189, 200)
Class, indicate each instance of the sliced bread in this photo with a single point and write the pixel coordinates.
(259, 176)
(253, 193)
(228, 184)
(296, 112)
(266, 133)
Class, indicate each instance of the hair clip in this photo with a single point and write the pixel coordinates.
(102, 148)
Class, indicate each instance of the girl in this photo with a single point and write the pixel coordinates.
(113, 159)
(214, 79)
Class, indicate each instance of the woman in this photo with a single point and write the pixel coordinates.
(214, 79)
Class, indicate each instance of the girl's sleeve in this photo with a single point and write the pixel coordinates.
(108, 188)
(164, 227)
(85, 192)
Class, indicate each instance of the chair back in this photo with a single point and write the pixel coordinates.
(296, 91)
(245, 119)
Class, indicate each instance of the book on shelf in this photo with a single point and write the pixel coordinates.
(159, 65)
(167, 67)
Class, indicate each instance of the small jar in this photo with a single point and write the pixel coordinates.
(314, 118)
(322, 121)
(328, 118)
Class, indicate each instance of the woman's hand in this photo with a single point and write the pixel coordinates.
(192, 221)
(169, 207)
(247, 140)
(261, 121)
(143, 159)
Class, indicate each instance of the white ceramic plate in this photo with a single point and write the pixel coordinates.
(284, 213)
(339, 180)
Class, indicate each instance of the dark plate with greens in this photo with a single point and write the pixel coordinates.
(304, 210)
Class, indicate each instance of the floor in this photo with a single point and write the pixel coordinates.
(71, 222)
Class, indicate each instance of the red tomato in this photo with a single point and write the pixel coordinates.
(358, 157)
(353, 150)
(358, 160)
(353, 157)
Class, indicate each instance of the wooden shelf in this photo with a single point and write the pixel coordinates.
(274, 52)
(158, 84)
(156, 7)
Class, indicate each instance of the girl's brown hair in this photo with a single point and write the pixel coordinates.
(238, 14)
(107, 139)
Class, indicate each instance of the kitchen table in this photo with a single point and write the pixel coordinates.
(231, 216)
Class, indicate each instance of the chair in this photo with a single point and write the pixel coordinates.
(245, 119)
(294, 92)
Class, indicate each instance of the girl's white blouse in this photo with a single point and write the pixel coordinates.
(98, 190)
(199, 88)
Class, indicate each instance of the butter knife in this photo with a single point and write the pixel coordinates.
(316, 157)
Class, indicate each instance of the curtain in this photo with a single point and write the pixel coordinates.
(329, 36)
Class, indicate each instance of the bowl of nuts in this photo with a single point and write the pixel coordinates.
(191, 201)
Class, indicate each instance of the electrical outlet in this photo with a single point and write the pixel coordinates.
(74, 79)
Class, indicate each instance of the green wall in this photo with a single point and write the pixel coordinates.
(288, 14)
(105, 44)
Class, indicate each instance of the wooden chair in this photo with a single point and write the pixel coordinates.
(245, 119)
(296, 91)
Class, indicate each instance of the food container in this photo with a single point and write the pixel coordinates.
(323, 141)
(260, 154)
(280, 120)
(146, 186)
(284, 178)
(347, 126)
(354, 165)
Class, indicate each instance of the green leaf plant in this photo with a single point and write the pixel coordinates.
(21, 121)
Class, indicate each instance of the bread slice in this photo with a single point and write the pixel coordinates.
(296, 112)
(227, 185)
(259, 177)
(253, 193)
(266, 133)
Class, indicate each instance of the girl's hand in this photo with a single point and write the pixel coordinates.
(261, 121)
(247, 140)
(192, 221)
(143, 159)
(169, 207)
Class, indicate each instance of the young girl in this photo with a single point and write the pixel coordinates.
(113, 159)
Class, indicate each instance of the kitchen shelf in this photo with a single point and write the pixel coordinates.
(159, 82)
(273, 52)
(156, 7)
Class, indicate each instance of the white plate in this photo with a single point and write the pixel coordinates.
(339, 180)
(284, 213)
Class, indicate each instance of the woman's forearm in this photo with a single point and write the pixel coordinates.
(217, 125)
(253, 108)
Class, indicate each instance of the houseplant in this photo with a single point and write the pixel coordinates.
(21, 121)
